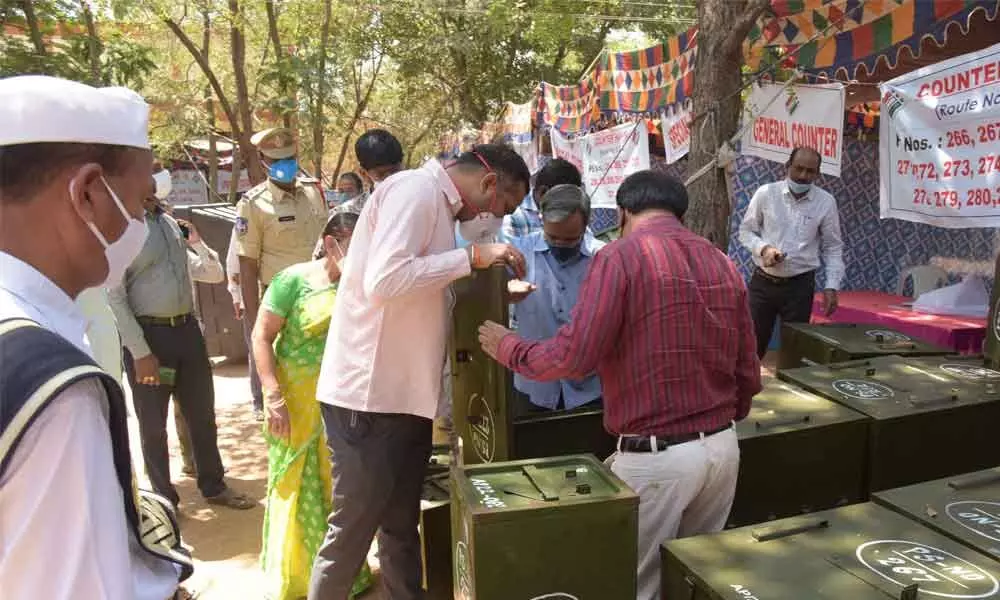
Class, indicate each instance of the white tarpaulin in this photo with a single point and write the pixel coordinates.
(567, 149)
(609, 157)
(799, 115)
(939, 143)
(676, 134)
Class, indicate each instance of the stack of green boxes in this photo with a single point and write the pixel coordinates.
(554, 528)
(991, 346)
(798, 453)
(927, 423)
(492, 419)
(813, 343)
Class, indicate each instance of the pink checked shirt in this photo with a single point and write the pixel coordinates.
(386, 345)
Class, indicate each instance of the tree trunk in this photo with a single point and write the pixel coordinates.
(32, 21)
(238, 50)
(213, 150)
(319, 125)
(234, 181)
(359, 110)
(279, 55)
(716, 103)
(93, 44)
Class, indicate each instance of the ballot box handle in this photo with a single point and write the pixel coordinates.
(863, 362)
(910, 592)
(782, 421)
(808, 362)
(529, 472)
(975, 480)
(925, 402)
(767, 534)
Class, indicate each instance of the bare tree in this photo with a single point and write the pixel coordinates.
(93, 43)
(362, 94)
(33, 30)
(716, 102)
(319, 98)
(239, 51)
(275, 37)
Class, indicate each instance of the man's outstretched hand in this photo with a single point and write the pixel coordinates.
(490, 334)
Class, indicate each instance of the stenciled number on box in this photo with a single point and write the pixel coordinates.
(483, 432)
(488, 497)
(743, 592)
(982, 518)
(935, 571)
(863, 390)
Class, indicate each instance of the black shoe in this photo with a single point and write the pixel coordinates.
(258, 415)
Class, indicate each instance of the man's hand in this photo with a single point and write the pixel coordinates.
(484, 256)
(193, 236)
(147, 370)
(518, 290)
(771, 256)
(238, 310)
(830, 302)
(279, 423)
(490, 334)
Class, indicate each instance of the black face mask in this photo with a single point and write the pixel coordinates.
(565, 253)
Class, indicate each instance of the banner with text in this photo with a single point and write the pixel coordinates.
(676, 134)
(567, 149)
(609, 157)
(800, 115)
(939, 143)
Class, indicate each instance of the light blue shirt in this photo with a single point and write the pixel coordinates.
(548, 308)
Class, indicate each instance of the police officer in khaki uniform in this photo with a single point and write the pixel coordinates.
(278, 221)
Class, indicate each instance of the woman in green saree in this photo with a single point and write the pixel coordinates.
(288, 341)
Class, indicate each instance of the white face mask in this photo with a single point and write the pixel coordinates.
(480, 230)
(163, 184)
(122, 251)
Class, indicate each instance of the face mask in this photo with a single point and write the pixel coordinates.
(338, 198)
(564, 253)
(122, 251)
(284, 170)
(799, 188)
(163, 184)
(481, 229)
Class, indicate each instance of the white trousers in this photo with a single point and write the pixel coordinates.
(683, 491)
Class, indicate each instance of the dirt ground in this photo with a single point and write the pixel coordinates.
(226, 543)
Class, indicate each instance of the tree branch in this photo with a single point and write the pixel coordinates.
(744, 23)
(32, 21)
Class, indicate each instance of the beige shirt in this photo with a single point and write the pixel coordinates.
(386, 345)
(277, 228)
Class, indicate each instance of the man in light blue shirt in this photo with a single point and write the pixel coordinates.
(557, 258)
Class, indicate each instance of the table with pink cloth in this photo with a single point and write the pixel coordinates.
(964, 334)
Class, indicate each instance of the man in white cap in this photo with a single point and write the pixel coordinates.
(74, 169)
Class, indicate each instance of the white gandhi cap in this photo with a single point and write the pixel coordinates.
(35, 108)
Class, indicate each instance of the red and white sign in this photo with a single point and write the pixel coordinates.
(676, 134)
(226, 177)
(609, 157)
(939, 143)
(187, 187)
(799, 115)
(567, 149)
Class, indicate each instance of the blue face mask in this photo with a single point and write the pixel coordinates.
(284, 170)
(799, 188)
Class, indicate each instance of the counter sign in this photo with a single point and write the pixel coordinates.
(863, 390)
(938, 573)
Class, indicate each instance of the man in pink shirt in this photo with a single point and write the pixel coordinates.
(381, 375)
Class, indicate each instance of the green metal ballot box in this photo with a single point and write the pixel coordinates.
(825, 343)
(799, 453)
(859, 552)
(555, 528)
(991, 345)
(927, 424)
(494, 421)
(435, 537)
(965, 508)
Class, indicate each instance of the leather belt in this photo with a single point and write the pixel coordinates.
(166, 321)
(782, 280)
(655, 443)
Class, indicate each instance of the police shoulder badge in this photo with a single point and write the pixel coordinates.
(241, 226)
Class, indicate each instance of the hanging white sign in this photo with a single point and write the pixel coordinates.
(785, 118)
(939, 143)
(609, 157)
(187, 187)
(676, 134)
(567, 149)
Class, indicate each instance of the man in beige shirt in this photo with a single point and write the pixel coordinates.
(279, 220)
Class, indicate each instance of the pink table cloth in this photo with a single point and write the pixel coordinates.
(964, 334)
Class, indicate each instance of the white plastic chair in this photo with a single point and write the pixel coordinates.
(925, 279)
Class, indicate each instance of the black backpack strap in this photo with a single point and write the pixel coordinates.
(36, 365)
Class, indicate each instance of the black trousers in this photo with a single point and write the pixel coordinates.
(773, 297)
(181, 348)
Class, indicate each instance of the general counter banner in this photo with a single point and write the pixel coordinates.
(939, 143)
(609, 157)
(676, 134)
(798, 115)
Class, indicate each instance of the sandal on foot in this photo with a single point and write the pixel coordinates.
(232, 499)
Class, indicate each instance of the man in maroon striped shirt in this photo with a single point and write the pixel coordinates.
(663, 318)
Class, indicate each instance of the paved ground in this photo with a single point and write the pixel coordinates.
(226, 543)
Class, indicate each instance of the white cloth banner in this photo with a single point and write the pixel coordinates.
(939, 143)
(187, 187)
(567, 149)
(800, 115)
(609, 157)
(676, 134)
(226, 177)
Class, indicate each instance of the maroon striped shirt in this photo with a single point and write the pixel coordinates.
(663, 318)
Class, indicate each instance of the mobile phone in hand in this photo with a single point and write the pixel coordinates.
(168, 376)
(185, 232)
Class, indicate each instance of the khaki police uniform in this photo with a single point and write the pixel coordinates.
(276, 227)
